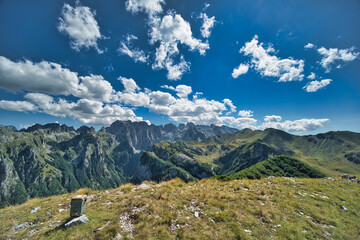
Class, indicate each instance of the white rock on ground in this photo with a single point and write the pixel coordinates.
(35, 210)
(76, 221)
(118, 236)
(343, 208)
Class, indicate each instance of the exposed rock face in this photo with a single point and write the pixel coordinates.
(156, 169)
(353, 157)
(142, 136)
(51, 127)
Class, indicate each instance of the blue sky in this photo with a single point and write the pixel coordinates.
(238, 63)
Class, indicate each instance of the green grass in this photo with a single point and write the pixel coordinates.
(277, 166)
(278, 208)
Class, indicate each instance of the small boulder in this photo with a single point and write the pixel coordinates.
(196, 214)
(118, 236)
(343, 208)
(76, 221)
(35, 210)
(22, 225)
(61, 210)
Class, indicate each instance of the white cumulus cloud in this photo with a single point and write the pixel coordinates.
(148, 6)
(161, 98)
(183, 91)
(243, 122)
(168, 87)
(136, 54)
(95, 87)
(18, 106)
(301, 125)
(312, 76)
(80, 25)
(313, 86)
(332, 55)
(52, 78)
(241, 69)
(230, 104)
(170, 31)
(132, 95)
(245, 113)
(207, 25)
(129, 84)
(309, 45)
(85, 110)
(286, 70)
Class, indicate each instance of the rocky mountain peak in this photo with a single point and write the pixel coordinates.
(49, 128)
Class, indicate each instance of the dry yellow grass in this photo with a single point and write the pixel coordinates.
(276, 208)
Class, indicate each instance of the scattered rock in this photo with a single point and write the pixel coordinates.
(350, 178)
(22, 225)
(118, 236)
(247, 231)
(278, 226)
(127, 219)
(196, 214)
(48, 214)
(270, 177)
(329, 178)
(76, 221)
(327, 234)
(61, 210)
(32, 232)
(343, 208)
(142, 186)
(290, 178)
(90, 197)
(35, 210)
(101, 228)
(324, 197)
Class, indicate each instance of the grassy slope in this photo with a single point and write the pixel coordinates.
(278, 166)
(281, 208)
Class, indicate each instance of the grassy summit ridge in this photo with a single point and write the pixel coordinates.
(279, 208)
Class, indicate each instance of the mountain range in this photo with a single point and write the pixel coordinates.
(44, 160)
(51, 159)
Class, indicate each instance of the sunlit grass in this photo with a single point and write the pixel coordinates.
(243, 209)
